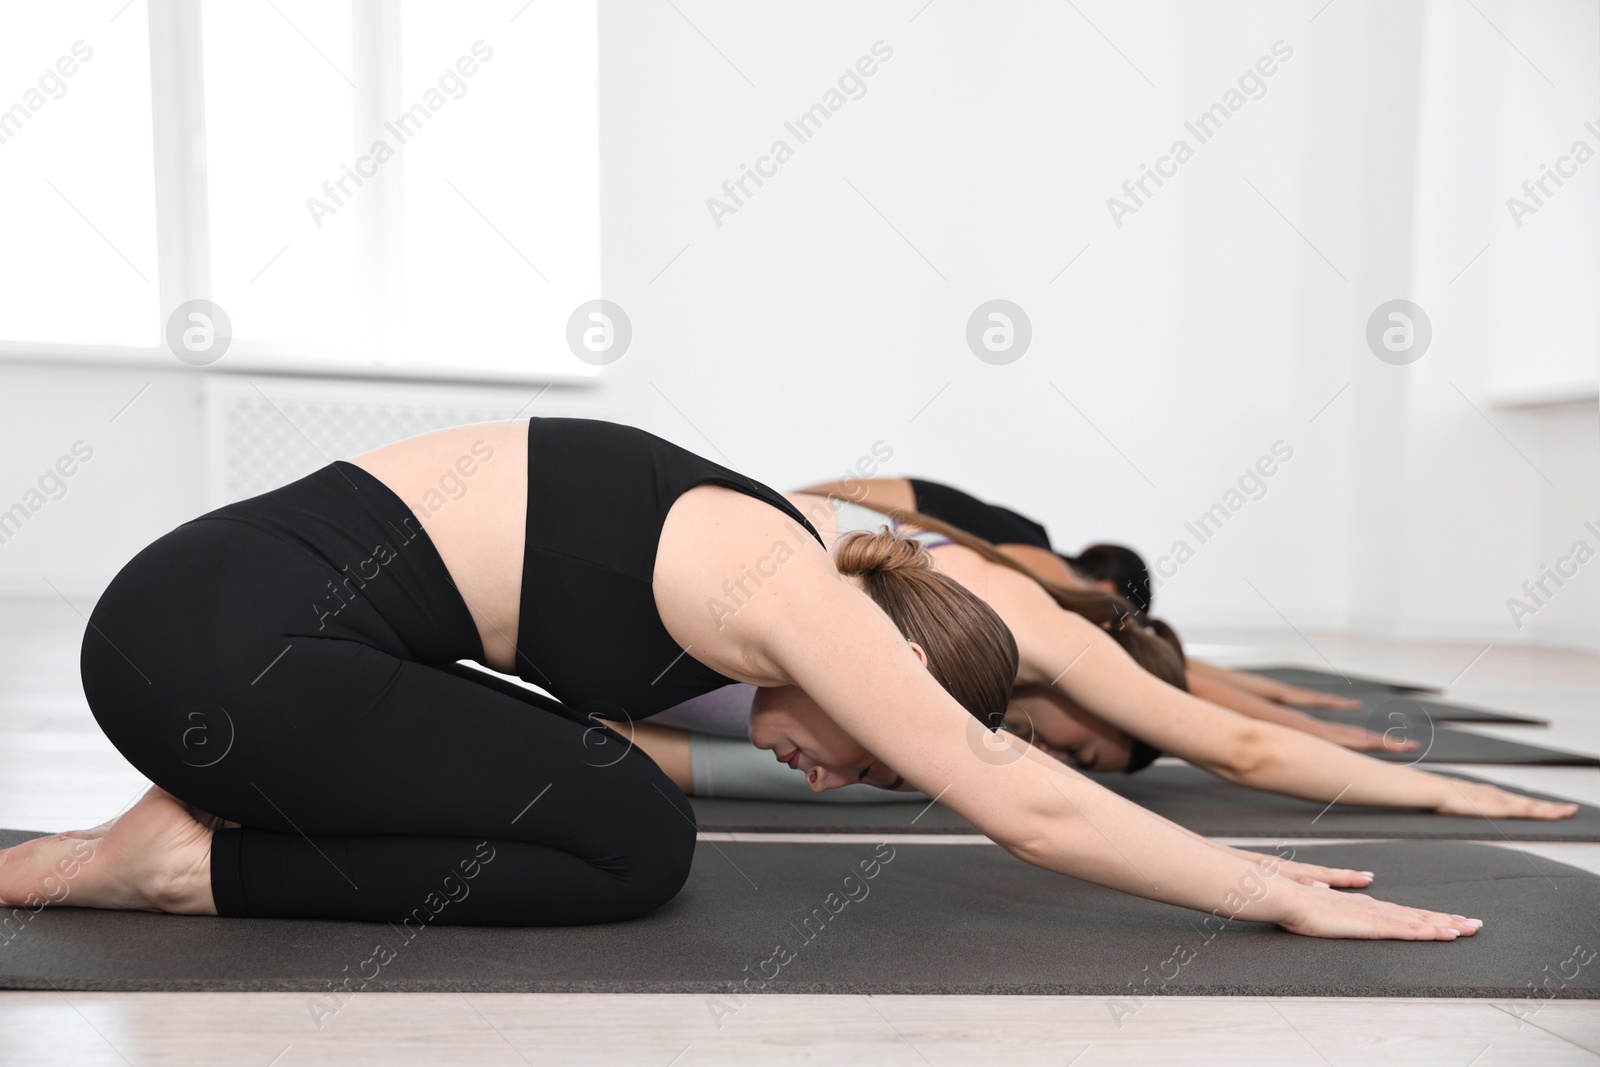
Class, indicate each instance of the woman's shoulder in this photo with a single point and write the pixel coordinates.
(732, 572)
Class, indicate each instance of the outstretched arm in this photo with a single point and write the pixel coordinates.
(1270, 688)
(1305, 873)
(1051, 816)
(808, 627)
(1073, 655)
(1206, 687)
(832, 642)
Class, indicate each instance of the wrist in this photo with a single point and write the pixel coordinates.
(1245, 854)
(1290, 902)
(1442, 793)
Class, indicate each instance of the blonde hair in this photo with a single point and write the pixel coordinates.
(971, 652)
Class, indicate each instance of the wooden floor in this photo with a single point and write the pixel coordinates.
(58, 772)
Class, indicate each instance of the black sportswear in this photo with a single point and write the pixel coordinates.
(993, 523)
(598, 494)
(288, 662)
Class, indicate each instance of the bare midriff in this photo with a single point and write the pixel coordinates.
(468, 486)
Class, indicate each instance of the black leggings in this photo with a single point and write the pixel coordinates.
(293, 671)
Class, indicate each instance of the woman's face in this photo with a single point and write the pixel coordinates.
(1060, 728)
(790, 725)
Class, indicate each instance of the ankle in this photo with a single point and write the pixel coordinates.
(182, 885)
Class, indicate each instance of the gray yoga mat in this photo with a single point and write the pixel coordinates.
(1375, 696)
(1404, 720)
(1375, 707)
(1188, 796)
(933, 919)
(1329, 682)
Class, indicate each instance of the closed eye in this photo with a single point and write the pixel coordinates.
(1077, 759)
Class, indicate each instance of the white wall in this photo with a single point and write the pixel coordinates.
(1500, 491)
(1219, 319)
(814, 322)
(144, 476)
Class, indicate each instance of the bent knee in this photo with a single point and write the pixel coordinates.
(657, 862)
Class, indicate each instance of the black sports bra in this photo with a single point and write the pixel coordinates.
(993, 523)
(588, 628)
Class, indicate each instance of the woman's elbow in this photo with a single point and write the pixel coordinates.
(1036, 849)
(1246, 754)
(1035, 837)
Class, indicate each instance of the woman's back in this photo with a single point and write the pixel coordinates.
(468, 486)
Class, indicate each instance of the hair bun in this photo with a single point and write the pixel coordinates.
(879, 553)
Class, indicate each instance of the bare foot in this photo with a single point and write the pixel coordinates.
(155, 857)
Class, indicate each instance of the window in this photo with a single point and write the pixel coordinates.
(501, 216)
(77, 177)
(279, 122)
(390, 187)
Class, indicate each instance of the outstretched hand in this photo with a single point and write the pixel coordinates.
(1297, 697)
(1357, 915)
(1361, 739)
(1312, 874)
(1492, 802)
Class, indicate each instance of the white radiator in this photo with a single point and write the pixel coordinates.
(264, 432)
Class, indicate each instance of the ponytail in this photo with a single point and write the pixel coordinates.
(970, 651)
(1150, 643)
